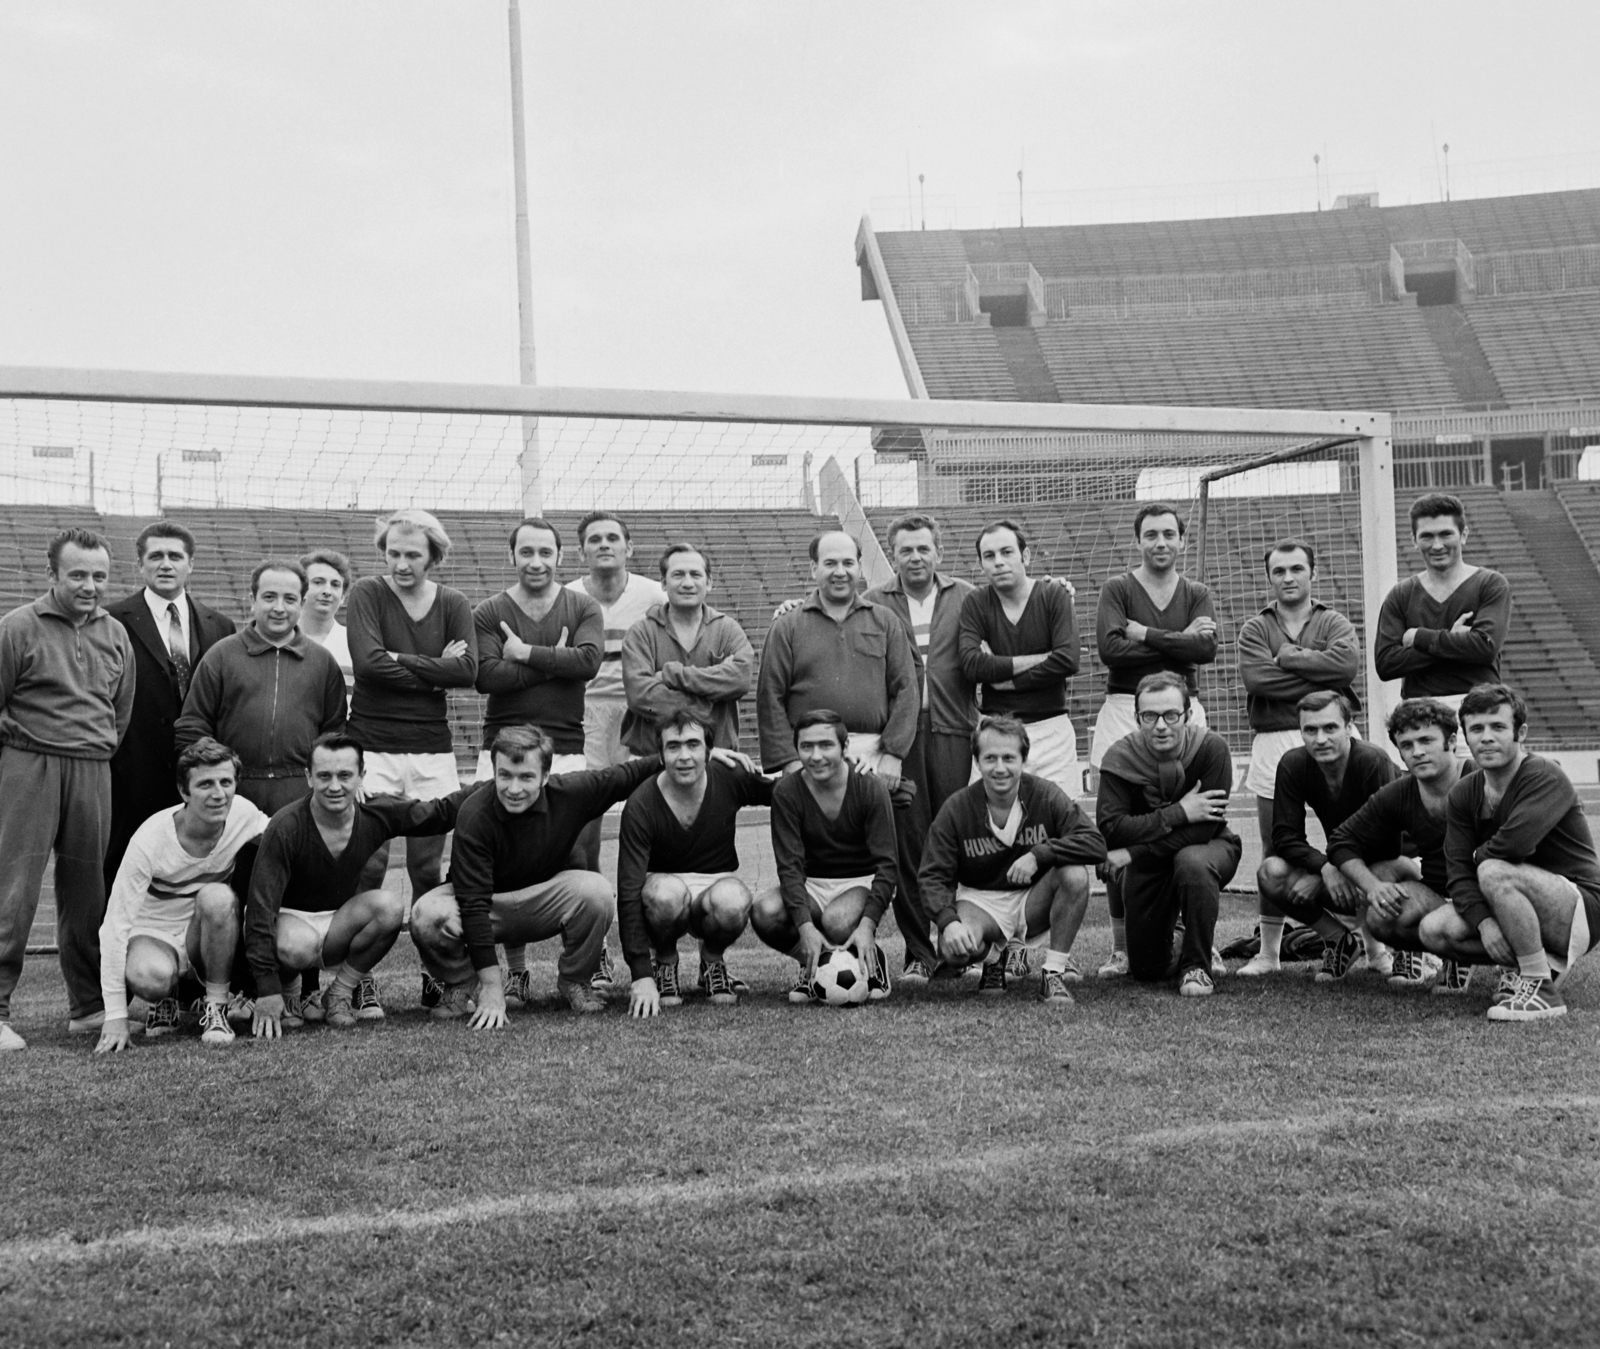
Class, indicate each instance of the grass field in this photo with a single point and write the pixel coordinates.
(1280, 1164)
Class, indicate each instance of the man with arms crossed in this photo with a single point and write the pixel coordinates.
(170, 631)
(539, 644)
(66, 694)
(1009, 856)
(847, 654)
(1333, 774)
(1400, 891)
(677, 867)
(1162, 810)
(307, 909)
(411, 639)
(834, 847)
(172, 911)
(1440, 632)
(1520, 858)
(1150, 619)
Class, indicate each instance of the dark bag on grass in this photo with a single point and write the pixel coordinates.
(1299, 943)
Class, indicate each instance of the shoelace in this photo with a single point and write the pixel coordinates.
(717, 980)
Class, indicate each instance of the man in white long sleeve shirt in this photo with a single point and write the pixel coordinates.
(171, 907)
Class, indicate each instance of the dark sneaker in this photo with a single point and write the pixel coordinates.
(338, 1008)
(1054, 989)
(606, 975)
(1196, 983)
(1453, 978)
(1408, 971)
(214, 1027)
(1072, 974)
(1016, 961)
(432, 990)
(583, 998)
(161, 1019)
(454, 1002)
(519, 986)
(667, 984)
(1339, 957)
(293, 1018)
(241, 1010)
(801, 992)
(878, 985)
(1510, 976)
(1534, 1000)
(716, 984)
(915, 973)
(993, 979)
(366, 1002)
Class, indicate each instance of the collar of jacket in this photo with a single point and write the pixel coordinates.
(1273, 610)
(46, 604)
(658, 612)
(893, 586)
(857, 601)
(257, 645)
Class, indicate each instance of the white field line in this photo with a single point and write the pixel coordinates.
(186, 1237)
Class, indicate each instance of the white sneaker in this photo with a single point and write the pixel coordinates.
(1219, 967)
(1257, 966)
(214, 1027)
(9, 1039)
(1116, 966)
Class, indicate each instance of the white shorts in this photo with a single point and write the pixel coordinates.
(1008, 908)
(602, 732)
(170, 927)
(318, 920)
(823, 890)
(1265, 750)
(1053, 754)
(562, 763)
(1580, 939)
(1116, 721)
(698, 882)
(423, 777)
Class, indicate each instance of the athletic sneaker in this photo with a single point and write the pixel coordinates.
(10, 1041)
(161, 1019)
(1072, 974)
(915, 973)
(1339, 957)
(1196, 983)
(311, 1005)
(519, 985)
(1408, 970)
(878, 985)
(368, 1007)
(1533, 1000)
(667, 983)
(241, 1010)
(1219, 966)
(214, 1027)
(1453, 978)
(455, 1001)
(86, 1025)
(1257, 966)
(801, 992)
(1053, 988)
(432, 990)
(583, 998)
(993, 979)
(338, 1009)
(1116, 966)
(1510, 976)
(292, 1018)
(715, 983)
(1016, 960)
(605, 976)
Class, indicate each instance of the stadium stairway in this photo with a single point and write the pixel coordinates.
(1463, 356)
(1565, 561)
(1025, 364)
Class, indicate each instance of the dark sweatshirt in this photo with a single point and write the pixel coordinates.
(399, 703)
(1167, 647)
(547, 689)
(859, 842)
(1300, 783)
(1440, 661)
(1048, 626)
(1129, 815)
(64, 688)
(1278, 670)
(1394, 822)
(963, 849)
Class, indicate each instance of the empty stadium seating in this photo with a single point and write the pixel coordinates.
(1539, 345)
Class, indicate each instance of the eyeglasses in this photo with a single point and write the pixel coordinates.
(1171, 718)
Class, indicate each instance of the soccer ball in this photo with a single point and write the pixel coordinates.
(839, 981)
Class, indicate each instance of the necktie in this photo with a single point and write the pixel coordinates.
(178, 649)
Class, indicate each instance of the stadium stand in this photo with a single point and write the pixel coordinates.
(1539, 345)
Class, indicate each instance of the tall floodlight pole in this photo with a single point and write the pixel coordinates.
(528, 461)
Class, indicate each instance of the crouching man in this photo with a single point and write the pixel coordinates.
(677, 867)
(172, 908)
(1008, 860)
(833, 843)
(307, 909)
(1163, 813)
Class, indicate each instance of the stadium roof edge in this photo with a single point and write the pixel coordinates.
(519, 400)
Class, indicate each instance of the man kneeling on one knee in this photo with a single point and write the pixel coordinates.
(677, 865)
(1162, 810)
(1007, 860)
(172, 908)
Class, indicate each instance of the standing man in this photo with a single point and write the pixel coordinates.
(845, 653)
(66, 696)
(1332, 773)
(267, 692)
(1520, 857)
(171, 631)
(1163, 810)
(1295, 646)
(327, 584)
(411, 640)
(1440, 632)
(539, 644)
(1151, 619)
(685, 656)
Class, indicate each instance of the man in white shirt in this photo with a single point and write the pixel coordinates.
(327, 582)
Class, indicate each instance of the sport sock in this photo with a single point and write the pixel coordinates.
(516, 958)
(994, 953)
(290, 987)
(218, 993)
(1119, 935)
(346, 979)
(1330, 928)
(1534, 967)
(1272, 938)
(1375, 948)
(1055, 962)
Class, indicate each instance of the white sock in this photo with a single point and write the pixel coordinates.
(218, 993)
(346, 979)
(1272, 938)
(516, 958)
(1055, 961)
(1375, 948)
(1535, 967)
(290, 987)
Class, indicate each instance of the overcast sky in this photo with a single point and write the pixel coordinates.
(325, 188)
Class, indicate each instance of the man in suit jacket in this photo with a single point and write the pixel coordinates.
(161, 618)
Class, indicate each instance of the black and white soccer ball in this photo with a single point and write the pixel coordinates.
(840, 981)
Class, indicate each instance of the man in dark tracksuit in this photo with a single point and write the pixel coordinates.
(66, 693)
